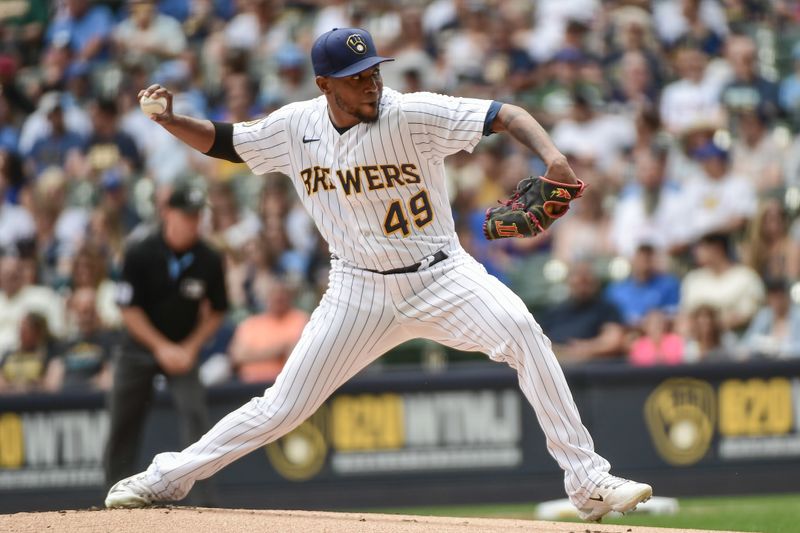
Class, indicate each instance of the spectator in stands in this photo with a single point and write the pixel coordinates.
(24, 23)
(257, 27)
(85, 26)
(413, 66)
(22, 366)
(262, 343)
(631, 32)
(734, 290)
(586, 326)
(507, 65)
(690, 99)
(90, 271)
(589, 134)
(9, 132)
(700, 20)
(756, 154)
(554, 97)
(38, 125)
(250, 278)
(633, 89)
(60, 227)
(791, 163)
(54, 148)
(16, 223)
(748, 90)
(465, 52)
(586, 232)
(657, 345)
(769, 248)
(13, 181)
(147, 36)
(647, 209)
(789, 90)
(775, 330)
(290, 81)
(19, 102)
(109, 148)
(718, 201)
(231, 227)
(83, 360)
(645, 290)
(114, 200)
(19, 298)
(706, 338)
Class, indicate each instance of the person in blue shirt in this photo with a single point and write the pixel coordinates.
(53, 149)
(85, 26)
(774, 332)
(586, 326)
(646, 288)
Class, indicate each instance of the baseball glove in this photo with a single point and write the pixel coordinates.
(536, 203)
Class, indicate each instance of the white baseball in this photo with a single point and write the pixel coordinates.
(153, 106)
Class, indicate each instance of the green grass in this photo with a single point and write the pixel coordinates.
(769, 514)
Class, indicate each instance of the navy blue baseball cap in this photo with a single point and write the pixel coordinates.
(710, 150)
(344, 52)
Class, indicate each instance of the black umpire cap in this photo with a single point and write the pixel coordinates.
(187, 198)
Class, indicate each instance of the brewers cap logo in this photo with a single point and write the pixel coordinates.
(356, 43)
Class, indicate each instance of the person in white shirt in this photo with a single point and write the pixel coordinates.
(735, 290)
(690, 99)
(18, 298)
(647, 210)
(147, 35)
(717, 201)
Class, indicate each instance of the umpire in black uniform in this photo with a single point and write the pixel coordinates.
(172, 296)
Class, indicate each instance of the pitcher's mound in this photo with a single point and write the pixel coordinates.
(193, 519)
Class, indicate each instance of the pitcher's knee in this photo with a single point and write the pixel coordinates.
(281, 413)
(524, 338)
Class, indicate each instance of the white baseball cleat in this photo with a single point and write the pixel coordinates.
(614, 494)
(130, 493)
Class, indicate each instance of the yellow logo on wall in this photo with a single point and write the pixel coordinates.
(301, 454)
(680, 414)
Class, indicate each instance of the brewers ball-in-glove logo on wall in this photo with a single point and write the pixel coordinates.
(356, 43)
(681, 416)
(301, 454)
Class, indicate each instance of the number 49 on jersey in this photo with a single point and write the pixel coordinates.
(397, 219)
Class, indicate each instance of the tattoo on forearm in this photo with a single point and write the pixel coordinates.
(528, 132)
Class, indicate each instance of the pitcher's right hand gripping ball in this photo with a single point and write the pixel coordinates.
(536, 203)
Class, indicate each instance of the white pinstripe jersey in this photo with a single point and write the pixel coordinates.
(376, 192)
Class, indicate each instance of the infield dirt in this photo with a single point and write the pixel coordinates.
(198, 520)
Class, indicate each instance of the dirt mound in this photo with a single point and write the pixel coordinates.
(190, 519)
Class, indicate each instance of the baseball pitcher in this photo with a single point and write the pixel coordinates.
(368, 164)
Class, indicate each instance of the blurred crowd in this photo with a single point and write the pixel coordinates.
(681, 115)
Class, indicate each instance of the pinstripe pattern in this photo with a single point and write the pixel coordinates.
(419, 129)
(362, 315)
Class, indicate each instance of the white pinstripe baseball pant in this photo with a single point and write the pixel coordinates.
(361, 316)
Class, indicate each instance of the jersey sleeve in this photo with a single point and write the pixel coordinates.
(444, 125)
(263, 144)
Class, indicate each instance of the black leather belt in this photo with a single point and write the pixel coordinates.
(427, 262)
